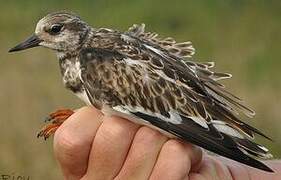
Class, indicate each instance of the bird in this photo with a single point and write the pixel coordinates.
(151, 81)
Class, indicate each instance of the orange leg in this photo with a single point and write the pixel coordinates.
(55, 119)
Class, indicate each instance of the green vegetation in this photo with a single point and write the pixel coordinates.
(242, 37)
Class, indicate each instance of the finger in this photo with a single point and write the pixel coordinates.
(241, 171)
(175, 160)
(110, 148)
(142, 155)
(73, 139)
(212, 168)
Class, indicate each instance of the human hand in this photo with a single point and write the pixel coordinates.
(92, 146)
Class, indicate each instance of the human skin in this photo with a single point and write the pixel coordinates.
(90, 145)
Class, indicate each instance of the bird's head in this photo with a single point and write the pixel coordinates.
(60, 31)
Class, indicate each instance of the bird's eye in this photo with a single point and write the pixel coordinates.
(56, 28)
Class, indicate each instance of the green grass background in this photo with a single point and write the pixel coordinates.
(242, 37)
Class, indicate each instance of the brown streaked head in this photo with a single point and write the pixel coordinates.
(60, 31)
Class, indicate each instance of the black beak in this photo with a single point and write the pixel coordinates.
(31, 42)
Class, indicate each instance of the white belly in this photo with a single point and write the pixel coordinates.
(83, 96)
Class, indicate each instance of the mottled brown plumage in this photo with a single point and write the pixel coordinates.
(152, 81)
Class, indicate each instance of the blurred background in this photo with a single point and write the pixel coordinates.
(242, 37)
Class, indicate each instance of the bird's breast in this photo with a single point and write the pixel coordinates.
(71, 73)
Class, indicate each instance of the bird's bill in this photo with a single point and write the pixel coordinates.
(31, 42)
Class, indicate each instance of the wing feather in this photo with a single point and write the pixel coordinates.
(182, 50)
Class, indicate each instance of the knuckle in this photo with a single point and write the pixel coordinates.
(173, 145)
(112, 129)
(87, 113)
(65, 142)
(148, 134)
(86, 110)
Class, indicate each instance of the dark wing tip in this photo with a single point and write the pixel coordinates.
(266, 168)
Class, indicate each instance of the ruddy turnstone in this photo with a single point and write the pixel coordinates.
(149, 80)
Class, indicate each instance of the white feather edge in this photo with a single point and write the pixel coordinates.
(174, 118)
(124, 113)
(226, 129)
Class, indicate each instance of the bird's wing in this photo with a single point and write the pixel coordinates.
(142, 80)
(198, 76)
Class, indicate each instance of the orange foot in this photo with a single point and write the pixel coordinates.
(55, 119)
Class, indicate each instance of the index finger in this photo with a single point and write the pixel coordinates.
(73, 139)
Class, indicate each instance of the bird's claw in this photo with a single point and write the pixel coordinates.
(54, 121)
